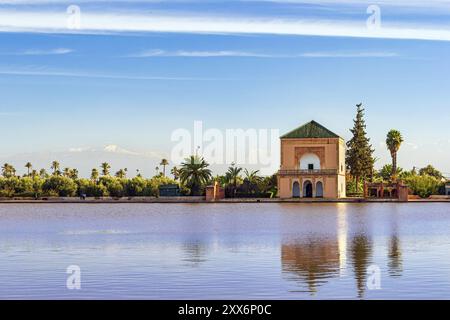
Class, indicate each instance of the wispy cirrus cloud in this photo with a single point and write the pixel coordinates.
(204, 54)
(204, 23)
(363, 54)
(40, 52)
(238, 54)
(427, 4)
(44, 72)
(403, 3)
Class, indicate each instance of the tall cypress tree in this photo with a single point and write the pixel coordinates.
(359, 155)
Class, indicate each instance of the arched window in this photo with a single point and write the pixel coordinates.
(296, 190)
(319, 190)
(310, 161)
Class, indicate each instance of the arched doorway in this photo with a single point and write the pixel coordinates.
(307, 189)
(319, 190)
(296, 190)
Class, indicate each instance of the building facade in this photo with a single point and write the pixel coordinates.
(312, 163)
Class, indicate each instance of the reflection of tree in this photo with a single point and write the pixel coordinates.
(195, 252)
(313, 261)
(361, 251)
(395, 256)
(395, 263)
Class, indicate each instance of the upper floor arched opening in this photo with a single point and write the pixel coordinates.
(309, 161)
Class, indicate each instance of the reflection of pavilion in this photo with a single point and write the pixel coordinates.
(314, 261)
(318, 259)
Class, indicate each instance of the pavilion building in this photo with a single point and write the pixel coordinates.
(312, 163)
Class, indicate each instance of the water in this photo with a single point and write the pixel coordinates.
(225, 251)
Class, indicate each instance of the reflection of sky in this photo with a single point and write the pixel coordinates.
(108, 87)
(225, 251)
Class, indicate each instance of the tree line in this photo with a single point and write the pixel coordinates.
(192, 177)
(360, 163)
(67, 183)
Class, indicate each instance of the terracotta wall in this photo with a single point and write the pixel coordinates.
(330, 188)
(284, 188)
(328, 149)
(220, 193)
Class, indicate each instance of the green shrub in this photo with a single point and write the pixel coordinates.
(136, 187)
(62, 186)
(113, 185)
(423, 185)
(8, 186)
(29, 187)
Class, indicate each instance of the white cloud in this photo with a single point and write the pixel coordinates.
(183, 53)
(225, 53)
(57, 51)
(116, 149)
(42, 71)
(55, 22)
(412, 145)
(78, 149)
(391, 3)
(420, 4)
(375, 54)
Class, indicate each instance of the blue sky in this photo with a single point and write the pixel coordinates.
(116, 88)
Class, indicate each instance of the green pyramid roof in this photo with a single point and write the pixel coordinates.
(310, 130)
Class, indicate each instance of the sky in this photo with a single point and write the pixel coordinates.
(84, 82)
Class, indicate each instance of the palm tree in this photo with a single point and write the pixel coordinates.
(157, 170)
(121, 174)
(34, 173)
(55, 167)
(105, 168)
(28, 166)
(43, 173)
(233, 174)
(164, 163)
(73, 174)
(252, 178)
(94, 174)
(66, 172)
(393, 141)
(8, 171)
(175, 172)
(194, 173)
